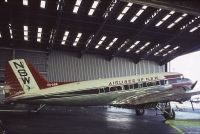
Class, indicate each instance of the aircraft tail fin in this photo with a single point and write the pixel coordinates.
(21, 78)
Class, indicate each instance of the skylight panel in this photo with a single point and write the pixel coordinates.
(110, 7)
(100, 42)
(177, 20)
(89, 40)
(159, 23)
(152, 16)
(194, 29)
(165, 18)
(26, 33)
(143, 47)
(6, 0)
(153, 48)
(111, 43)
(77, 5)
(50, 38)
(43, 3)
(58, 5)
(65, 37)
(189, 23)
(124, 11)
(167, 46)
(77, 39)
(171, 51)
(138, 13)
(39, 34)
(161, 50)
(125, 42)
(94, 6)
(132, 46)
(134, 18)
(25, 2)
(10, 29)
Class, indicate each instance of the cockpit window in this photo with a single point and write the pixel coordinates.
(170, 81)
(183, 80)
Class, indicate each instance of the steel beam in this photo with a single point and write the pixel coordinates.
(183, 6)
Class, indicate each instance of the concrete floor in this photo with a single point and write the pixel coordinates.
(91, 120)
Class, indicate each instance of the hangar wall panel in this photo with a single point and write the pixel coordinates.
(37, 58)
(5, 55)
(63, 66)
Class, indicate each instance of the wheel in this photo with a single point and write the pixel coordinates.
(170, 115)
(139, 111)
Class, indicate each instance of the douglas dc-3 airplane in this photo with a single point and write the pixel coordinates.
(25, 85)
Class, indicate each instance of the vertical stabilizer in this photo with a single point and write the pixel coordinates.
(19, 79)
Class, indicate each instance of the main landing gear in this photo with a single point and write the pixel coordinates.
(167, 111)
(37, 109)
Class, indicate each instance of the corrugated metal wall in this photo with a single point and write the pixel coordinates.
(37, 58)
(63, 66)
(5, 56)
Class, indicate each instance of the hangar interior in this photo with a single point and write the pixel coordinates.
(132, 37)
(77, 40)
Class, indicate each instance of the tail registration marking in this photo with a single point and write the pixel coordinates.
(23, 75)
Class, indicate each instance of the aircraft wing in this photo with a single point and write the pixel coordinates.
(157, 96)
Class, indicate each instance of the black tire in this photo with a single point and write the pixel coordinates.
(170, 115)
(139, 111)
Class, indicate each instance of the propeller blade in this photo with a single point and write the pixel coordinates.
(193, 85)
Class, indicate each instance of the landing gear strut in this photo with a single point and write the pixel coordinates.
(139, 111)
(37, 110)
(167, 111)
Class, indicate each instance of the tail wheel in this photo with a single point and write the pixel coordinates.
(169, 114)
(139, 111)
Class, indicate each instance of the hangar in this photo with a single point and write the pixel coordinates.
(78, 40)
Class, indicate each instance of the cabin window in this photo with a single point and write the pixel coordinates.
(91, 91)
(106, 89)
(101, 90)
(135, 85)
(157, 82)
(172, 81)
(126, 87)
(162, 82)
(113, 89)
(144, 84)
(119, 88)
(139, 85)
(150, 84)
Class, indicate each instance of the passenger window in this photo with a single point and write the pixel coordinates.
(144, 84)
(126, 87)
(113, 89)
(136, 85)
(119, 88)
(157, 82)
(131, 86)
(149, 84)
(101, 90)
(162, 82)
(140, 85)
(106, 89)
(172, 81)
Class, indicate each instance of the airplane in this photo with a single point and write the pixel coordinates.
(23, 84)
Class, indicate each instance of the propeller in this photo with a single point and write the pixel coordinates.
(193, 85)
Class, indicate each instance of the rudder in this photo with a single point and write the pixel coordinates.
(19, 79)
